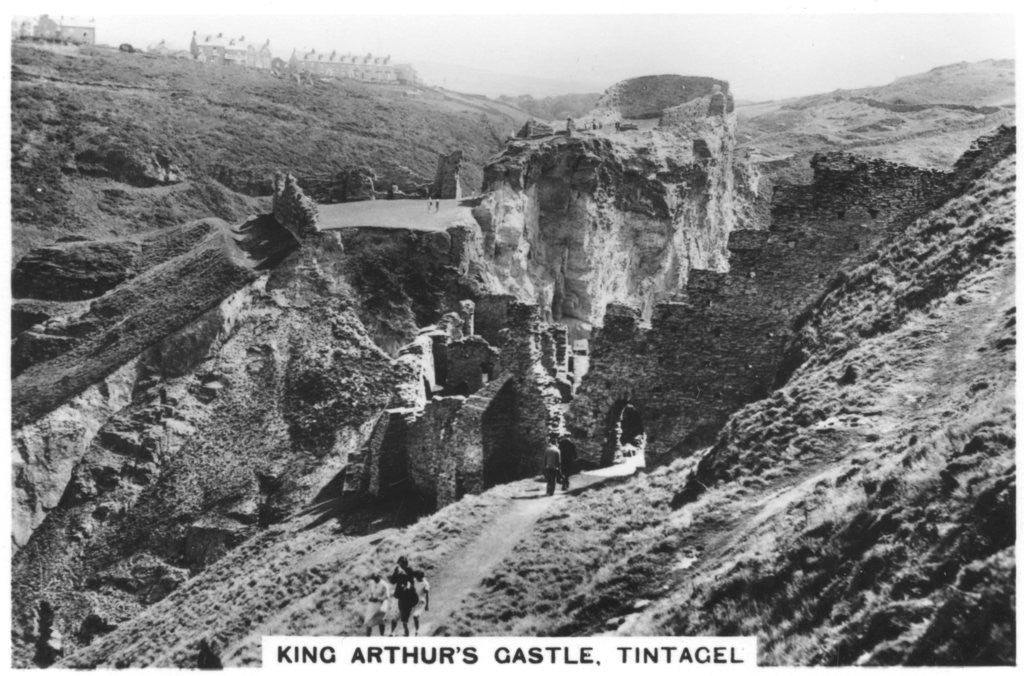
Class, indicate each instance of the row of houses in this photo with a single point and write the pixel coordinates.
(79, 30)
(230, 51)
(239, 51)
(220, 49)
(369, 67)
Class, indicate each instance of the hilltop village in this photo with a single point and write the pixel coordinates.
(221, 49)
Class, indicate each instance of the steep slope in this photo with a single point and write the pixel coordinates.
(210, 396)
(106, 143)
(926, 120)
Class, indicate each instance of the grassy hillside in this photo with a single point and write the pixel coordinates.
(927, 120)
(105, 143)
(554, 107)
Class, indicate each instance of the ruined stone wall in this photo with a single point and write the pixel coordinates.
(292, 208)
(447, 179)
(462, 470)
(492, 316)
(471, 363)
(429, 451)
(491, 426)
(718, 345)
(538, 410)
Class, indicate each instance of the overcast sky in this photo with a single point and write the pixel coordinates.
(763, 56)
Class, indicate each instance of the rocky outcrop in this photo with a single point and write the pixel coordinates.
(47, 449)
(144, 168)
(292, 209)
(225, 426)
(349, 185)
(81, 269)
(574, 223)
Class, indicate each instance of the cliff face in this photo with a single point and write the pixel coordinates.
(205, 435)
(573, 222)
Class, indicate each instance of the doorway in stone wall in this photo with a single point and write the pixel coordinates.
(627, 440)
(501, 452)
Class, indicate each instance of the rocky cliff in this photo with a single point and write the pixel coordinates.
(187, 437)
(575, 221)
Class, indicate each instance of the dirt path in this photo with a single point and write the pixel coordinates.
(467, 568)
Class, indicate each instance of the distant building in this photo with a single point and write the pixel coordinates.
(22, 27)
(231, 51)
(209, 49)
(46, 28)
(79, 30)
(368, 68)
(259, 57)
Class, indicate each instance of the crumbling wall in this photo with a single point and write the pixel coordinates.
(471, 363)
(492, 316)
(447, 179)
(492, 425)
(292, 208)
(429, 452)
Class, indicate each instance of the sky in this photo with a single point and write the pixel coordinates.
(764, 56)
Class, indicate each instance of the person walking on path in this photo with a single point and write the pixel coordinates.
(376, 604)
(422, 587)
(405, 592)
(552, 466)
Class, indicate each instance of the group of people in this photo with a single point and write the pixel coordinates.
(433, 204)
(403, 595)
(570, 125)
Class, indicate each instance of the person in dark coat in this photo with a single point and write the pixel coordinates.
(552, 466)
(404, 578)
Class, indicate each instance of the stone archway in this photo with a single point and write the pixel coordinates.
(626, 437)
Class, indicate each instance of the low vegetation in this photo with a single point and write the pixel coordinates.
(85, 127)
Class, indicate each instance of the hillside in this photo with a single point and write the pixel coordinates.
(107, 144)
(862, 513)
(554, 107)
(926, 120)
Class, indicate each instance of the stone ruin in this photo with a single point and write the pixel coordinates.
(469, 415)
(534, 129)
(448, 179)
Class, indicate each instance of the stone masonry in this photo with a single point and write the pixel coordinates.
(468, 415)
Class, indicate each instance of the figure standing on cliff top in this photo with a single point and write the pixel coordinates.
(570, 126)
